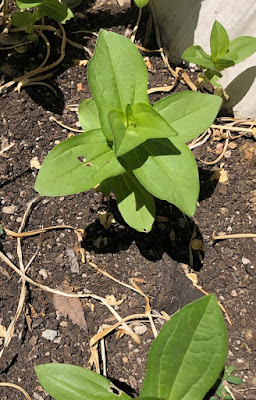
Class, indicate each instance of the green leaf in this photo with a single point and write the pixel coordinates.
(243, 46)
(142, 122)
(168, 170)
(56, 10)
(219, 40)
(227, 397)
(197, 55)
(88, 115)
(69, 382)
(226, 61)
(141, 3)
(117, 76)
(136, 205)
(230, 369)
(235, 380)
(189, 353)
(189, 113)
(20, 19)
(77, 164)
(28, 4)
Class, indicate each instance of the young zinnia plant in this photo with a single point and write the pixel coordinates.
(130, 147)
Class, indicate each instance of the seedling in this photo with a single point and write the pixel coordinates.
(224, 53)
(141, 3)
(40, 8)
(222, 389)
(130, 147)
(184, 361)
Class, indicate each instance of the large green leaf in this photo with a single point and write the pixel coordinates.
(168, 170)
(141, 122)
(117, 76)
(88, 115)
(244, 46)
(56, 10)
(20, 19)
(77, 164)
(197, 55)
(69, 382)
(134, 202)
(219, 40)
(188, 355)
(189, 113)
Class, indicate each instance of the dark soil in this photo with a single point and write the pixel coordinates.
(160, 258)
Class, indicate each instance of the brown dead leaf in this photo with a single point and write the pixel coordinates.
(249, 151)
(2, 331)
(220, 175)
(70, 307)
(197, 244)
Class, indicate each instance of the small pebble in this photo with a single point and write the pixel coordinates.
(140, 329)
(250, 269)
(9, 209)
(245, 261)
(43, 273)
(49, 334)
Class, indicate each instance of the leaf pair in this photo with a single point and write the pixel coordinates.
(130, 147)
(184, 361)
(224, 53)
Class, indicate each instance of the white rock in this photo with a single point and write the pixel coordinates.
(245, 261)
(49, 334)
(140, 329)
(9, 209)
(43, 273)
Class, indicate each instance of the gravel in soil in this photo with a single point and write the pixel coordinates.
(159, 258)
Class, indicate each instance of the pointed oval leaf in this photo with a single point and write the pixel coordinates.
(88, 115)
(243, 46)
(77, 164)
(219, 40)
(20, 19)
(168, 170)
(56, 10)
(143, 123)
(235, 380)
(134, 202)
(189, 353)
(189, 113)
(69, 382)
(117, 76)
(197, 55)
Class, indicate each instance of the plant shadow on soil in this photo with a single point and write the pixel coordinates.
(171, 232)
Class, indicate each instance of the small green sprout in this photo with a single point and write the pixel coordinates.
(222, 391)
(224, 54)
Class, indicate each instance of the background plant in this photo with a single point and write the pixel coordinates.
(221, 392)
(130, 147)
(40, 8)
(224, 53)
(184, 361)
